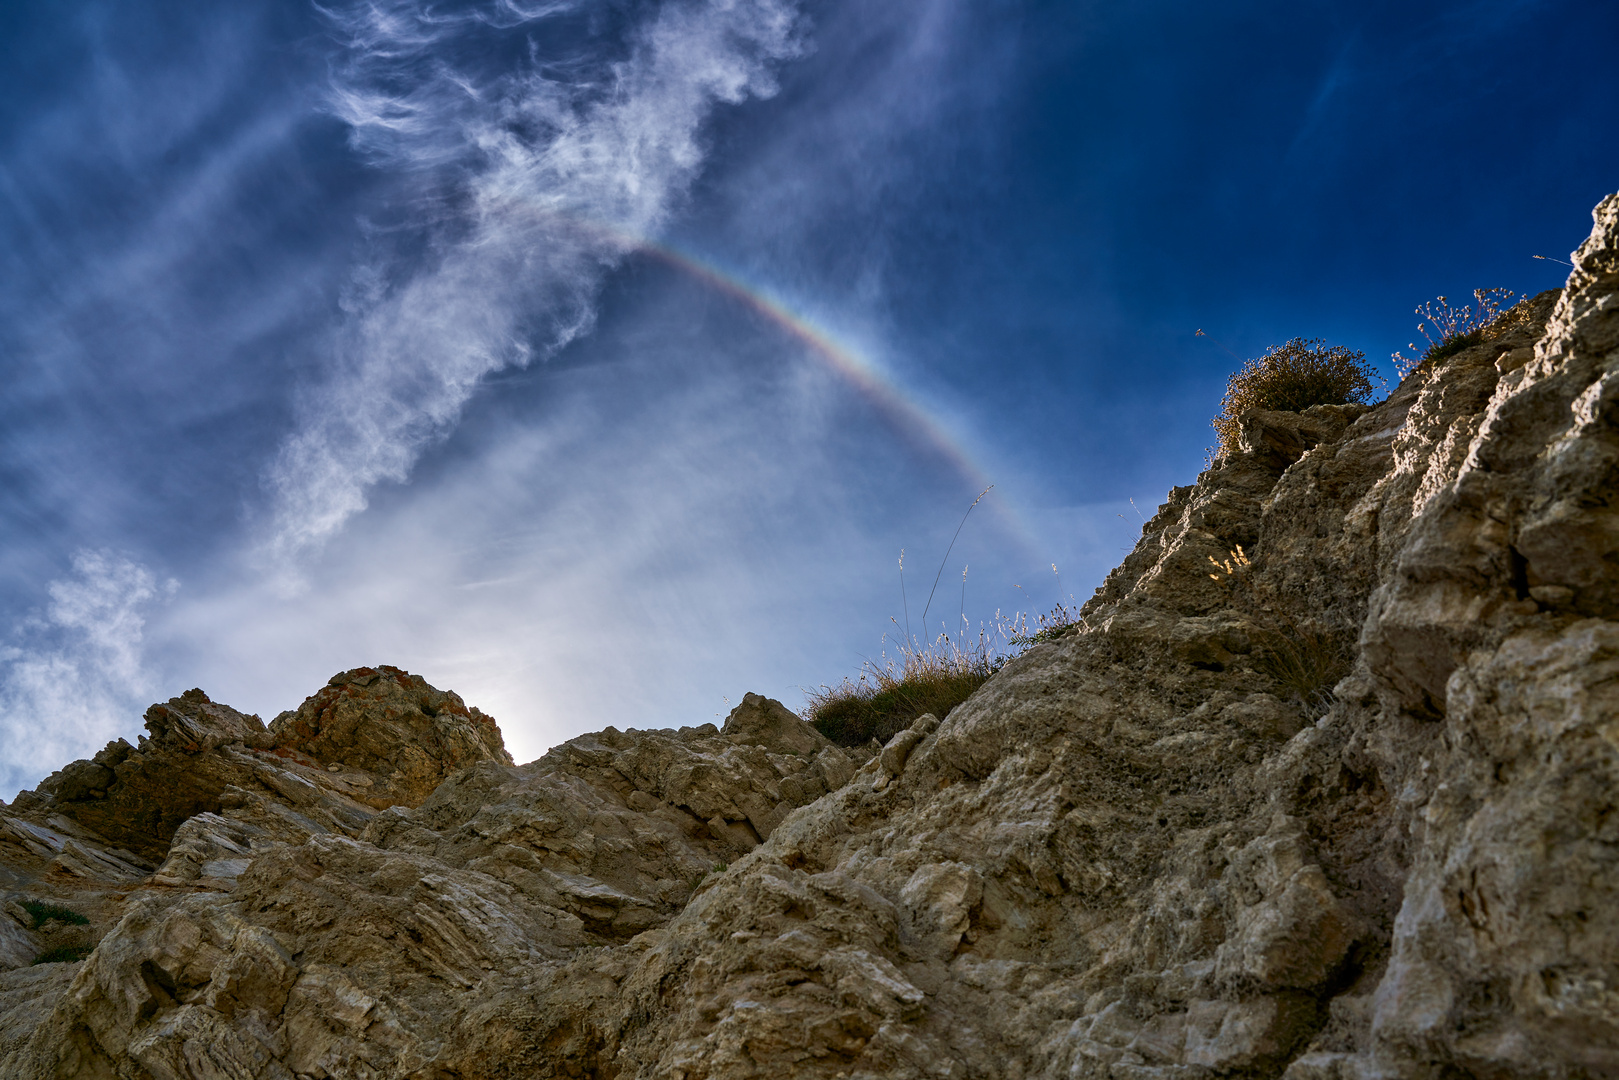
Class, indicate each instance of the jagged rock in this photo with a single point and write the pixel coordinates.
(1341, 810)
(501, 871)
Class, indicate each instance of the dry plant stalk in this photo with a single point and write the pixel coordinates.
(1457, 328)
(1236, 562)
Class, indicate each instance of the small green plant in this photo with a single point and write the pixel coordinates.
(64, 954)
(1457, 328)
(41, 912)
(1292, 377)
(720, 868)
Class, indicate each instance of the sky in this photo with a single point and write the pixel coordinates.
(598, 359)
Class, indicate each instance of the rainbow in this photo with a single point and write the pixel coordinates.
(905, 414)
(858, 372)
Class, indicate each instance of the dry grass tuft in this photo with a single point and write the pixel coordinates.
(891, 693)
(1305, 664)
(1291, 378)
(1060, 620)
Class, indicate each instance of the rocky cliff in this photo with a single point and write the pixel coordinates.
(1324, 787)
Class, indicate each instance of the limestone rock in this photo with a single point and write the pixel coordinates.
(1339, 808)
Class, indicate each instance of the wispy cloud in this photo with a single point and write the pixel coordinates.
(533, 178)
(74, 675)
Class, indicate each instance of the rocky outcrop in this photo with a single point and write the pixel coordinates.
(326, 861)
(1322, 787)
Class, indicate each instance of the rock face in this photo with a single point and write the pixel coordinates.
(1322, 788)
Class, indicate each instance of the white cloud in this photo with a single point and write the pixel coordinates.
(535, 184)
(75, 677)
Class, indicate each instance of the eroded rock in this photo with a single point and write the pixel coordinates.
(1341, 807)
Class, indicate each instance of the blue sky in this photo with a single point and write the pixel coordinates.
(597, 359)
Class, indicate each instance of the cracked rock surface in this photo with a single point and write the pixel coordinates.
(1341, 808)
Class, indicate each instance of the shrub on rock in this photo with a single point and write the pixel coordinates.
(1291, 378)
